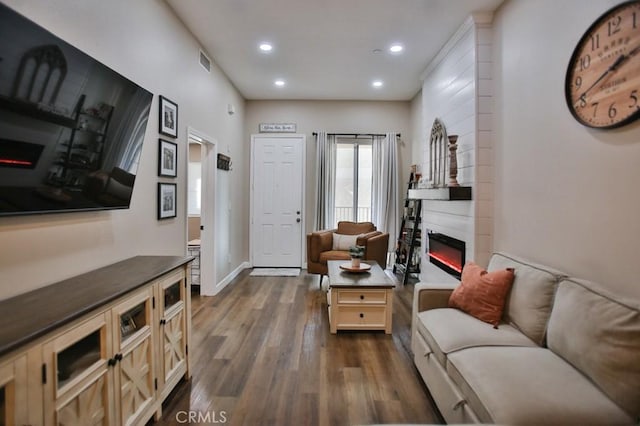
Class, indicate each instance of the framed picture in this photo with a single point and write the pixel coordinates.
(166, 200)
(167, 158)
(168, 117)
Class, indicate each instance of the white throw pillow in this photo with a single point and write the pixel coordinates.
(343, 241)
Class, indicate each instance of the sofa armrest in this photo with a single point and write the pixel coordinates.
(377, 247)
(431, 296)
(428, 296)
(363, 238)
(318, 242)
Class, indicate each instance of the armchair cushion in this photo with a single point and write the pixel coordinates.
(343, 242)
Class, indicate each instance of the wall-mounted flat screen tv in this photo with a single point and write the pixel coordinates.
(71, 128)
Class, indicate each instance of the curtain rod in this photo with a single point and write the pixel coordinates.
(355, 135)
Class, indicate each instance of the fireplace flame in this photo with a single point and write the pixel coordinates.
(12, 162)
(448, 262)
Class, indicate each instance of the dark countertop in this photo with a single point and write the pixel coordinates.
(28, 316)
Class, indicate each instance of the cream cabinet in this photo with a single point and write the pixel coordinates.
(13, 391)
(112, 365)
(364, 308)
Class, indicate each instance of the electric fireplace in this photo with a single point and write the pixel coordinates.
(446, 252)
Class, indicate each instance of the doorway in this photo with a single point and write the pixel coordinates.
(277, 200)
(201, 200)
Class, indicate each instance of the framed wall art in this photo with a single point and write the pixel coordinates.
(168, 117)
(166, 200)
(167, 158)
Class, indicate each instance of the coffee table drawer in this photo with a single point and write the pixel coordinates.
(354, 317)
(362, 296)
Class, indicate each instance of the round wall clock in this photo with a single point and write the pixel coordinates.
(602, 86)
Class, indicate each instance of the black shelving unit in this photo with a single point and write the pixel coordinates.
(408, 244)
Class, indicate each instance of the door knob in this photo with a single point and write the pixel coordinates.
(298, 220)
(298, 212)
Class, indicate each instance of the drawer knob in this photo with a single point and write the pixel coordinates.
(362, 297)
(361, 315)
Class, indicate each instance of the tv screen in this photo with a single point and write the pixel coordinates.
(71, 128)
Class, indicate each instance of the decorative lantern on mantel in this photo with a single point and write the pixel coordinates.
(439, 144)
(442, 179)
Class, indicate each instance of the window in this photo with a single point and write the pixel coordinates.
(354, 161)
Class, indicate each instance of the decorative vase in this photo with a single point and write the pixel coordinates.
(453, 161)
(355, 262)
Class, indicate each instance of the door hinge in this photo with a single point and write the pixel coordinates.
(155, 383)
(202, 227)
(186, 349)
(44, 374)
(153, 302)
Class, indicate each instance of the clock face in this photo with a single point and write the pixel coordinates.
(602, 86)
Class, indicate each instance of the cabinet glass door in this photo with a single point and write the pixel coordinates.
(134, 320)
(78, 385)
(75, 359)
(13, 392)
(172, 295)
(4, 416)
(172, 364)
(134, 372)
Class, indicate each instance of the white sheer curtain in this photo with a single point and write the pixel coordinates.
(384, 191)
(325, 181)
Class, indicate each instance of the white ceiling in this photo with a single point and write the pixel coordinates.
(323, 49)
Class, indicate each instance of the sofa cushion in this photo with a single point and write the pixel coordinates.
(448, 330)
(533, 386)
(599, 335)
(530, 300)
(482, 294)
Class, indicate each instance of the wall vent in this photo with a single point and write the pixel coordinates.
(205, 61)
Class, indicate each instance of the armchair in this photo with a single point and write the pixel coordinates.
(321, 245)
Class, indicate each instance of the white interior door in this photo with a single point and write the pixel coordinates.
(277, 184)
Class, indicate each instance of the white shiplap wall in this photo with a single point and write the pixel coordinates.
(457, 89)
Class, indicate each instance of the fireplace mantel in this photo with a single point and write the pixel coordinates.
(451, 193)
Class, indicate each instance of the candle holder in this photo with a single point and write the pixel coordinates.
(453, 161)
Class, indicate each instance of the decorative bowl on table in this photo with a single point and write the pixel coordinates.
(347, 266)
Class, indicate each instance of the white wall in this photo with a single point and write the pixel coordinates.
(457, 90)
(145, 42)
(565, 195)
(335, 117)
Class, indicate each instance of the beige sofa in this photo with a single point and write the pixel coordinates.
(567, 352)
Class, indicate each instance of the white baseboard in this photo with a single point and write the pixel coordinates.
(226, 280)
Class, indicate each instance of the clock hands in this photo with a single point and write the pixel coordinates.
(621, 59)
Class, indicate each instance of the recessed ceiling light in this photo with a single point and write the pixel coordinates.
(377, 51)
(266, 47)
(396, 48)
(279, 82)
(377, 83)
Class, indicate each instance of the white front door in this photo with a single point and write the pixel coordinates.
(277, 200)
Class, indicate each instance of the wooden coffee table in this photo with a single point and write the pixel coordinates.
(359, 300)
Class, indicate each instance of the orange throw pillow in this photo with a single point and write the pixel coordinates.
(482, 294)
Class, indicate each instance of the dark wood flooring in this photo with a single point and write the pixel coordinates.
(263, 355)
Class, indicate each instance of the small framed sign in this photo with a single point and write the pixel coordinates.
(277, 128)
